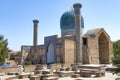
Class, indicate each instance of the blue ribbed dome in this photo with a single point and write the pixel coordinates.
(67, 20)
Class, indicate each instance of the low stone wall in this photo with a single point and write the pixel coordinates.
(29, 68)
(55, 66)
(100, 68)
(32, 68)
(66, 65)
(7, 70)
(40, 67)
(110, 69)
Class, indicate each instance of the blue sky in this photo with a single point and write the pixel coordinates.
(16, 18)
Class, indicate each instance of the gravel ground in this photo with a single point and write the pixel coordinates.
(108, 76)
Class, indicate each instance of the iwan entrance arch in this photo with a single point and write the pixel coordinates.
(103, 47)
(50, 54)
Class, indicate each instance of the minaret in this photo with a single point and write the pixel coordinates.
(35, 34)
(78, 33)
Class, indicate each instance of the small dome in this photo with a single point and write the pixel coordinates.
(67, 20)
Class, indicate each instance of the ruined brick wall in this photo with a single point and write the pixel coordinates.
(37, 56)
(42, 56)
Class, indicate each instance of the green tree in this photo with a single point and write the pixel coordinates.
(12, 57)
(17, 54)
(3, 49)
(116, 51)
(116, 58)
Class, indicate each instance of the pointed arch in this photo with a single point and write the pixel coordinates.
(50, 53)
(103, 48)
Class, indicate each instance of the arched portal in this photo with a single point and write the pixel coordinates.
(50, 54)
(103, 49)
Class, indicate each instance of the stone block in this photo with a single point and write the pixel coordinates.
(51, 78)
(75, 75)
(35, 77)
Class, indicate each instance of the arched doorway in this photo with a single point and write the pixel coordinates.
(103, 49)
(50, 54)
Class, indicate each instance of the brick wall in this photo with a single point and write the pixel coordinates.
(69, 51)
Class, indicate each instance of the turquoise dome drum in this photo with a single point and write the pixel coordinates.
(67, 20)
